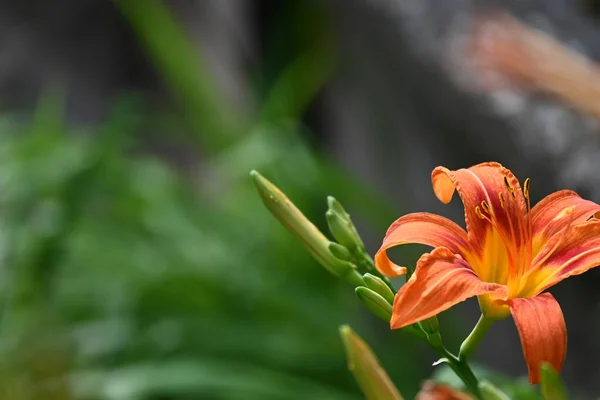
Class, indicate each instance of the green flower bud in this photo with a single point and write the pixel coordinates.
(374, 303)
(376, 284)
(304, 230)
(341, 226)
(340, 251)
(371, 377)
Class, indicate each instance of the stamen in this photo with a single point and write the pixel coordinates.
(502, 200)
(479, 213)
(526, 185)
(490, 217)
(510, 189)
(485, 206)
(528, 245)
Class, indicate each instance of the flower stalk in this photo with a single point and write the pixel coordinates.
(475, 337)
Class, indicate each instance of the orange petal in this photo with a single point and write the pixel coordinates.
(568, 253)
(543, 333)
(423, 228)
(548, 216)
(486, 185)
(440, 281)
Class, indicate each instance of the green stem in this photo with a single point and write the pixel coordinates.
(354, 278)
(477, 334)
(461, 369)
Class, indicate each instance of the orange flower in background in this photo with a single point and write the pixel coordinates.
(509, 254)
(436, 391)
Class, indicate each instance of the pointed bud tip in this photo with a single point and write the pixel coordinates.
(258, 179)
(345, 331)
(331, 201)
(336, 207)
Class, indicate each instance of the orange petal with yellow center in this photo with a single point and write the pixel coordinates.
(422, 228)
(542, 330)
(569, 253)
(441, 280)
(556, 211)
(493, 190)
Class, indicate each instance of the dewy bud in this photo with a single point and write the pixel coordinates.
(341, 226)
(551, 384)
(376, 284)
(295, 222)
(375, 303)
(374, 382)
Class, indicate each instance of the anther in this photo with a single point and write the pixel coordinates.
(479, 213)
(526, 185)
(485, 206)
(502, 200)
(510, 189)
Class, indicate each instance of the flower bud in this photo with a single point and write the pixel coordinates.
(377, 285)
(340, 251)
(371, 377)
(341, 226)
(304, 230)
(374, 303)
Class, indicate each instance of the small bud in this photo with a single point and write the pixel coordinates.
(551, 384)
(304, 230)
(378, 285)
(341, 226)
(491, 392)
(371, 377)
(375, 303)
(340, 251)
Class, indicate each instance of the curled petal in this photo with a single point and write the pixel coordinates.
(566, 254)
(492, 196)
(542, 330)
(440, 281)
(549, 216)
(423, 228)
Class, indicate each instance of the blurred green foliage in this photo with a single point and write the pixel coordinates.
(125, 276)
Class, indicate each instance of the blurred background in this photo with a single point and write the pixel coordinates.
(137, 261)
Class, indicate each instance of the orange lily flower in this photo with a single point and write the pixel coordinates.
(509, 254)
